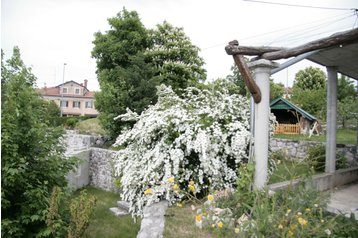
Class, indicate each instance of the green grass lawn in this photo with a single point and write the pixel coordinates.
(103, 223)
(344, 136)
(90, 126)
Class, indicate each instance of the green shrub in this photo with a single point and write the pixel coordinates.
(71, 122)
(317, 158)
(32, 160)
(278, 155)
(298, 211)
(69, 217)
(81, 209)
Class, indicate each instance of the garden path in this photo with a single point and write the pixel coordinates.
(344, 200)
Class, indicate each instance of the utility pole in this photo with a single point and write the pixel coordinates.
(63, 82)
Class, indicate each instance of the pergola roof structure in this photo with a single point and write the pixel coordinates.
(338, 53)
(344, 57)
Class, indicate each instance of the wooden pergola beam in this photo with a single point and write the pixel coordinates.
(336, 39)
(275, 53)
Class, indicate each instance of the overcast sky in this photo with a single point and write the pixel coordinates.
(50, 33)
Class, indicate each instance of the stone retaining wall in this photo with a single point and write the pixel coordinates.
(97, 167)
(101, 172)
(299, 149)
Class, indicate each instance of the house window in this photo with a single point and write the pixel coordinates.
(76, 104)
(64, 90)
(77, 91)
(64, 103)
(89, 104)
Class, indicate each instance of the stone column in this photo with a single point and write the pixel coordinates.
(261, 71)
(331, 119)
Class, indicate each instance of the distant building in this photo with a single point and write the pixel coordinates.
(291, 119)
(75, 99)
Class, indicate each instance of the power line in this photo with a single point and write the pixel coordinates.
(322, 21)
(304, 33)
(305, 6)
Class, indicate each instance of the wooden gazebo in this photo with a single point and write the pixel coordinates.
(290, 118)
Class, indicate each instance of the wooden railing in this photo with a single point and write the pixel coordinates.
(287, 129)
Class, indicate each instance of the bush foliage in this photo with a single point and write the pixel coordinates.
(198, 139)
(32, 161)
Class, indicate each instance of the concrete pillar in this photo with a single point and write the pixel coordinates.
(331, 119)
(261, 71)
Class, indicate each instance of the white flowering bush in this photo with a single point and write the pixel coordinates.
(182, 143)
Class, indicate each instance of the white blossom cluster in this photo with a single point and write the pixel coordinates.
(200, 137)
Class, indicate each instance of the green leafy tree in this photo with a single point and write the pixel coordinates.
(309, 91)
(32, 160)
(276, 90)
(347, 100)
(310, 79)
(124, 75)
(132, 61)
(312, 101)
(175, 59)
(347, 110)
(237, 79)
(345, 88)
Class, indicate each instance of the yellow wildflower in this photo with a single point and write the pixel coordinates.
(308, 210)
(299, 214)
(213, 225)
(302, 221)
(210, 198)
(290, 233)
(220, 224)
(288, 211)
(171, 180)
(191, 188)
(191, 182)
(292, 227)
(179, 205)
(237, 230)
(176, 187)
(148, 191)
(280, 226)
(198, 218)
(322, 221)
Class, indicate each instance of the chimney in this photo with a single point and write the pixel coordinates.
(85, 83)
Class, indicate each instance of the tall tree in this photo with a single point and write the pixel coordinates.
(310, 79)
(345, 88)
(347, 100)
(132, 61)
(237, 79)
(122, 69)
(309, 91)
(32, 161)
(276, 90)
(176, 60)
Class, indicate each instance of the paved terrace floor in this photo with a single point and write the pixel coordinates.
(344, 200)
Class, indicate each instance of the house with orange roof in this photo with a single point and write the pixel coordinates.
(74, 99)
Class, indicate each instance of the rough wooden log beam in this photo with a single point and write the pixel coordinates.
(233, 49)
(246, 74)
(336, 39)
